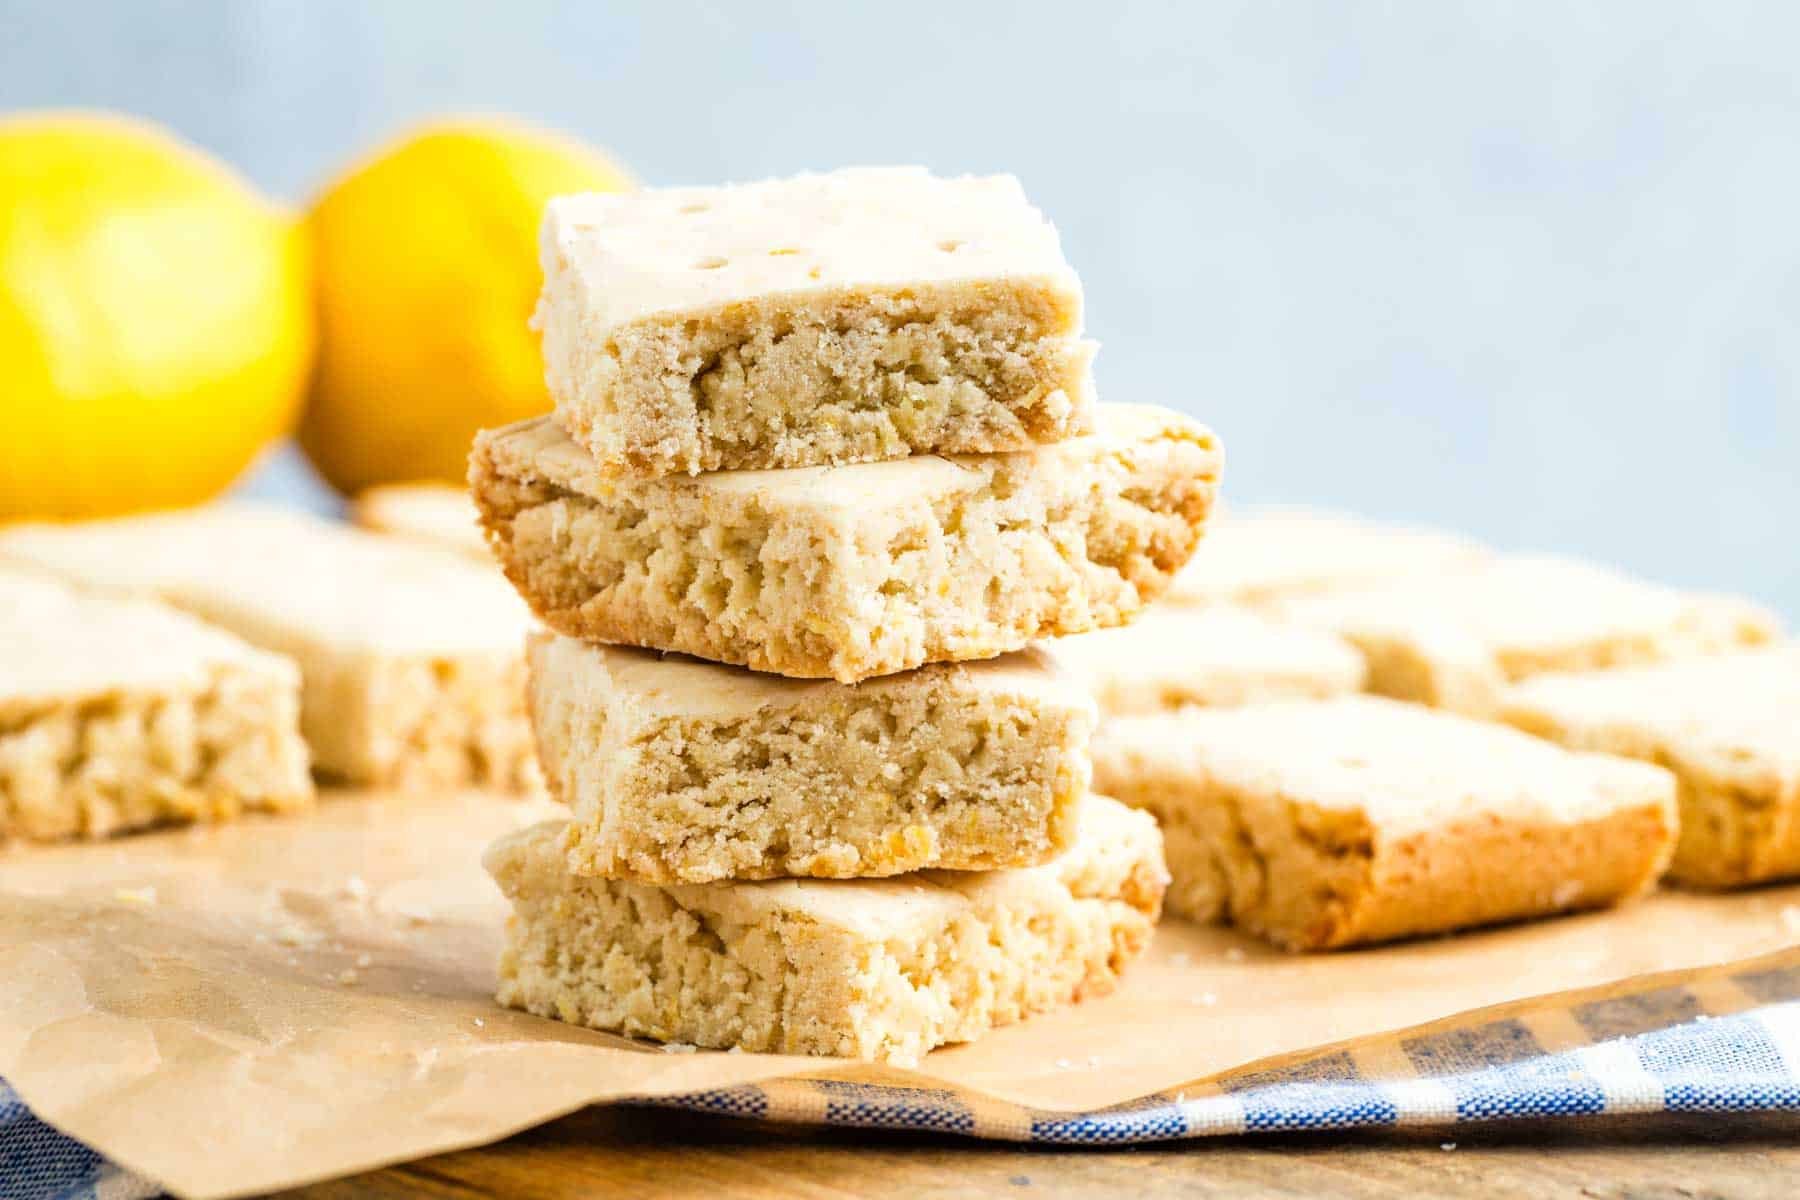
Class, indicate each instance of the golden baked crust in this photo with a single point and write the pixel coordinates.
(1728, 727)
(850, 572)
(1333, 823)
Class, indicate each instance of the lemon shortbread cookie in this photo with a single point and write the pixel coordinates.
(1220, 656)
(118, 714)
(411, 659)
(850, 317)
(868, 968)
(1727, 726)
(849, 572)
(1456, 639)
(683, 771)
(1259, 557)
(435, 514)
(1319, 824)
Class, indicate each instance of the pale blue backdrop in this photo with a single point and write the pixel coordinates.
(1525, 269)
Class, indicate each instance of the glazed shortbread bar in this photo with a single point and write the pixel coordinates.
(434, 514)
(1727, 726)
(849, 572)
(872, 969)
(682, 771)
(850, 317)
(1260, 557)
(1456, 639)
(1220, 656)
(411, 658)
(118, 714)
(1319, 824)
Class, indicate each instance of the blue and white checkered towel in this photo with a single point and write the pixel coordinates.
(38, 1163)
(1744, 1063)
(1645, 1050)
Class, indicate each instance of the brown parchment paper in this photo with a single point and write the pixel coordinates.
(240, 1009)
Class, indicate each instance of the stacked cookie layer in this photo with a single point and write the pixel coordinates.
(835, 439)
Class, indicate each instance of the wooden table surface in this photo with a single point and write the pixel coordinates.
(652, 1153)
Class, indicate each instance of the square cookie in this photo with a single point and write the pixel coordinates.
(850, 317)
(120, 714)
(881, 969)
(1219, 656)
(1728, 727)
(849, 572)
(1456, 639)
(1320, 824)
(1258, 558)
(683, 771)
(412, 660)
(433, 514)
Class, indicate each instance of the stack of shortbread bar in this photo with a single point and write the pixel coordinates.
(825, 462)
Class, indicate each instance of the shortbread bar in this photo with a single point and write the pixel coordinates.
(870, 968)
(1258, 558)
(411, 659)
(848, 572)
(683, 771)
(120, 714)
(1319, 824)
(1219, 656)
(1727, 726)
(434, 514)
(1456, 639)
(851, 317)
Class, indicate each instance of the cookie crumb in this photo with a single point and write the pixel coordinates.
(348, 977)
(679, 1048)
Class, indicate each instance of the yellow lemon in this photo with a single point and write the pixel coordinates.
(427, 266)
(155, 318)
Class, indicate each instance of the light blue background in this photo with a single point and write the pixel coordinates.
(1527, 269)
